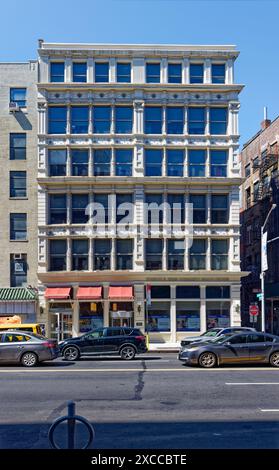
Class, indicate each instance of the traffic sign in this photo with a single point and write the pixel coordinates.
(254, 310)
(260, 296)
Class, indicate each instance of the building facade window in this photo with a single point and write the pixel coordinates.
(153, 120)
(57, 162)
(176, 209)
(57, 209)
(175, 73)
(124, 162)
(175, 120)
(217, 314)
(154, 214)
(18, 146)
(124, 254)
(124, 208)
(218, 163)
(102, 200)
(101, 119)
(187, 316)
(102, 162)
(175, 162)
(218, 73)
(153, 72)
(123, 119)
(158, 317)
(79, 205)
(247, 170)
(153, 254)
(219, 209)
(102, 254)
(79, 119)
(57, 119)
(199, 208)
(80, 72)
(123, 72)
(18, 270)
(188, 292)
(80, 255)
(101, 72)
(218, 120)
(153, 162)
(160, 292)
(196, 120)
(218, 292)
(18, 184)
(196, 163)
(18, 96)
(197, 256)
(57, 72)
(219, 254)
(79, 160)
(176, 251)
(18, 226)
(196, 73)
(256, 187)
(57, 255)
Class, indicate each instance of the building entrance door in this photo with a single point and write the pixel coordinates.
(121, 318)
(61, 325)
(121, 322)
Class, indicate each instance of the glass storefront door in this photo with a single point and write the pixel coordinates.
(121, 314)
(121, 322)
(61, 320)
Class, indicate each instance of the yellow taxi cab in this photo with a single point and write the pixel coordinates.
(31, 327)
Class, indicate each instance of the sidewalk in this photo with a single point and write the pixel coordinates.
(164, 347)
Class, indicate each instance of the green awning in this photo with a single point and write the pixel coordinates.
(17, 294)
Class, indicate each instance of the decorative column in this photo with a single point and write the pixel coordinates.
(203, 325)
(173, 314)
(42, 117)
(233, 118)
(229, 77)
(207, 71)
(68, 70)
(90, 70)
(164, 70)
(186, 71)
(138, 117)
(112, 70)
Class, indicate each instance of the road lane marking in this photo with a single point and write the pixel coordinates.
(138, 369)
(252, 383)
(270, 411)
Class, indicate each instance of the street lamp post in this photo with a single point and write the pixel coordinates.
(262, 271)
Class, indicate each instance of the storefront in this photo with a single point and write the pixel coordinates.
(121, 308)
(90, 308)
(60, 310)
(19, 301)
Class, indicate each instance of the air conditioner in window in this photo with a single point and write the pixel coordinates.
(13, 107)
(18, 256)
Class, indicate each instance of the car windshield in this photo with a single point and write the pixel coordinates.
(212, 332)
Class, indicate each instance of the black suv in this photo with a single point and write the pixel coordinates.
(126, 342)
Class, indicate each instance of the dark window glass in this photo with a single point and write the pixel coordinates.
(198, 254)
(187, 292)
(219, 254)
(18, 270)
(239, 339)
(199, 208)
(218, 73)
(153, 120)
(57, 70)
(218, 120)
(269, 339)
(57, 209)
(247, 170)
(176, 251)
(79, 162)
(196, 73)
(57, 162)
(153, 254)
(18, 184)
(18, 226)
(124, 254)
(154, 209)
(218, 163)
(176, 208)
(18, 96)
(153, 73)
(101, 72)
(255, 338)
(79, 205)
(123, 72)
(123, 119)
(174, 73)
(101, 119)
(123, 162)
(218, 292)
(79, 119)
(123, 211)
(17, 146)
(103, 200)
(102, 162)
(196, 163)
(196, 120)
(153, 162)
(219, 209)
(175, 162)
(80, 255)
(80, 72)
(57, 119)
(160, 292)
(102, 252)
(175, 120)
(57, 251)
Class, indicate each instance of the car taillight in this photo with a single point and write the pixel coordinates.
(49, 344)
(140, 338)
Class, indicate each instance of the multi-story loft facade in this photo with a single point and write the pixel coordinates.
(138, 124)
(259, 162)
(18, 191)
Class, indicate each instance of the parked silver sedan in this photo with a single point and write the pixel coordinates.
(236, 349)
(26, 348)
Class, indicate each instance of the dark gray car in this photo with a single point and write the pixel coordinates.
(236, 349)
(26, 348)
(211, 334)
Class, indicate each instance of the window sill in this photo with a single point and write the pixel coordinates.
(18, 241)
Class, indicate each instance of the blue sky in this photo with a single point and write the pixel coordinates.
(250, 24)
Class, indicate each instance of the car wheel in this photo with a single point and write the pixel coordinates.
(29, 359)
(207, 360)
(274, 359)
(128, 353)
(71, 353)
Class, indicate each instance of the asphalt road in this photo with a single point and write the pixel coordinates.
(151, 402)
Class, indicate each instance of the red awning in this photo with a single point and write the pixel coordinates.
(57, 292)
(123, 293)
(90, 293)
